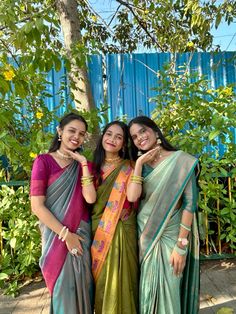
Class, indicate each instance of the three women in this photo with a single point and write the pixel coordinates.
(168, 240)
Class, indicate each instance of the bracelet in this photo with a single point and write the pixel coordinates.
(136, 179)
(61, 232)
(185, 227)
(84, 164)
(180, 251)
(86, 180)
(86, 183)
(66, 233)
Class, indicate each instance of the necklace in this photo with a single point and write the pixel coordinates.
(63, 156)
(112, 160)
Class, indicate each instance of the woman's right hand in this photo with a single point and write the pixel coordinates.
(73, 241)
(148, 156)
(76, 156)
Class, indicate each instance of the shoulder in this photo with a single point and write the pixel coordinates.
(43, 159)
(186, 156)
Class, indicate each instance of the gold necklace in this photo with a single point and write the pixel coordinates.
(63, 156)
(112, 160)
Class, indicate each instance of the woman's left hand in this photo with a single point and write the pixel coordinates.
(177, 261)
(76, 156)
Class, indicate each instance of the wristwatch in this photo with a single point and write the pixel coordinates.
(183, 241)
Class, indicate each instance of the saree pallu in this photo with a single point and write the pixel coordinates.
(162, 292)
(68, 277)
(116, 286)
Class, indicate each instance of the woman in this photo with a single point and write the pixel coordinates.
(114, 247)
(167, 230)
(60, 188)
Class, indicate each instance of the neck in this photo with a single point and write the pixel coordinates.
(62, 155)
(112, 159)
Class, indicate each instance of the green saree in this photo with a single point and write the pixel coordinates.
(162, 292)
(116, 287)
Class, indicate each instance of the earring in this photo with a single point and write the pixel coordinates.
(139, 153)
(159, 148)
(59, 137)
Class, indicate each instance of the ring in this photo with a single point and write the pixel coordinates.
(74, 251)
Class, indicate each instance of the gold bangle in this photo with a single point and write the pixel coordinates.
(137, 182)
(139, 178)
(86, 183)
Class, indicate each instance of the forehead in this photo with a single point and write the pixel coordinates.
(76, 124)
(135, 128)
(116, 129)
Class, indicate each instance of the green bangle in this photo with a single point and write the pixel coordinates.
(180, 251)
(185, 227)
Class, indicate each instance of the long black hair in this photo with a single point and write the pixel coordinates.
(99, 153)
(146, 121)
(55, 145)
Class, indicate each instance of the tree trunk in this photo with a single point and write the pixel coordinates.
(70, 25)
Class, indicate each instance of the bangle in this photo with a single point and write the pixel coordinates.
(84, 164)
(136, 179)
(188, 228)
(65, 235)
(180, 251)
(86, 180)
(61, 232)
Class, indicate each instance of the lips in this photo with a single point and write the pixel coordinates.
(143, 143)
(76, 143)
(109, 144)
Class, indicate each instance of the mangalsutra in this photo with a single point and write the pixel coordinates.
(63, 156)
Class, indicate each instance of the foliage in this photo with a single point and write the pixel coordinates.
(196, 118)
(20, 240)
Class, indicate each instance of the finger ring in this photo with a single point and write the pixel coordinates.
(74, 251)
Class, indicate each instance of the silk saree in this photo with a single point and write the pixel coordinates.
(168, 184)
(114, 248)
(68, 277)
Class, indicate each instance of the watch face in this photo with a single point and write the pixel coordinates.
(184, 241)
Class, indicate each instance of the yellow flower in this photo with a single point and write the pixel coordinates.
(190, 44)
(39, 114)
(209, 91)
(94, 18)
(33, 155)
(9, 75)
(228, 91)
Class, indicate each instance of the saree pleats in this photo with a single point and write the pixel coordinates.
(75, 295)
(157, 281)
(116, 288)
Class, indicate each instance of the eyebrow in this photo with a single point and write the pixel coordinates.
(115, 133)
(71, 127)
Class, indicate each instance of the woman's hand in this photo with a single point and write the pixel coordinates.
(148, 156)
(73, 243)
(177, 261)
(76, 156)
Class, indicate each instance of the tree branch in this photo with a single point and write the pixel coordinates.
(141, 24)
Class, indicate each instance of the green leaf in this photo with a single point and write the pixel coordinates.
(13, 243)
(3, 276)
(213, 134)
